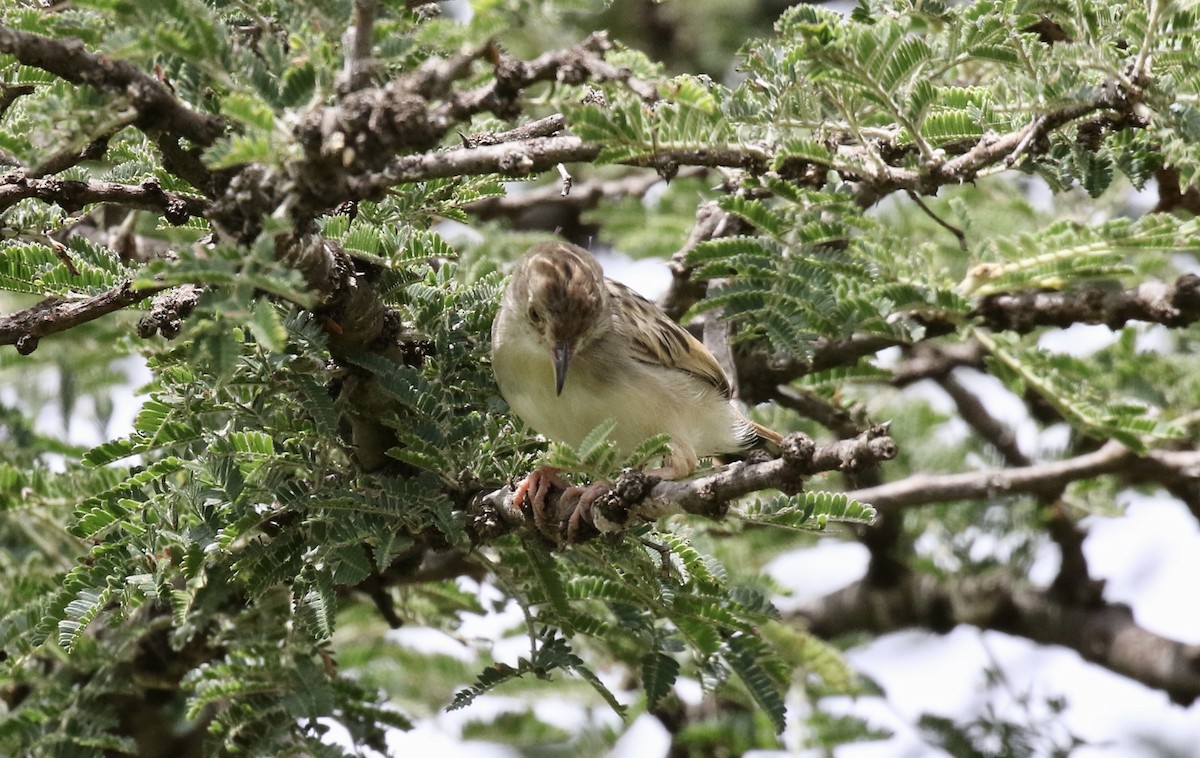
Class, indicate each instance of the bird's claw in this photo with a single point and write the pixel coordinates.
(581, 513)
(536, 488)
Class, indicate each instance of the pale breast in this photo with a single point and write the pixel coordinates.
(645, 400)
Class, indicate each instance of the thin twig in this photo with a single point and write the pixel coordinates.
(1027, 137)
(566, 179)
(358, 43)
(958, 233)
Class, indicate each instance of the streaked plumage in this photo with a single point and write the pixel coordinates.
(571, 348)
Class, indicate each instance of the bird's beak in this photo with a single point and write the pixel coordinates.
(562, 358)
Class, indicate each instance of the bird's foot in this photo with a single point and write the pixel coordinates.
(581, 512)
(535, 488)
(667, 473)
(572, 507)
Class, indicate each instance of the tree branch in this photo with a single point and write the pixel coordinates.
(358, 43)
(72, 196)
(67, 59)
(1103, 633)
(833, 417)
(519, 159)
(9, 93)
(711, 222)
(638, 498)
(924, 489)
(762, 372)
(72, 156)
(576, 65)
(1073, 583)
(542, 127)
(995, 432)
(346, 145)
(930, 360)
(24, 328)
(1174, 305)
(583, 195)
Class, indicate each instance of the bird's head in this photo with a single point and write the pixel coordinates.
(560, 293)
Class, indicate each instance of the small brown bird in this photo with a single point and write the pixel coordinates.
(572, 349)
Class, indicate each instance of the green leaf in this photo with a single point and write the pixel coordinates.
(596, 440)
(267, 327)
(659, 673)
(745, 655)
(101, 511)
(809, 510)
(546, 569)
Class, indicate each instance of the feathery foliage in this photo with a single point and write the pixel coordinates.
(221, 564)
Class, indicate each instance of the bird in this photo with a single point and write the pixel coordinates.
(572, 349)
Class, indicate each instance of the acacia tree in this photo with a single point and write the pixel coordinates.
(251, 197)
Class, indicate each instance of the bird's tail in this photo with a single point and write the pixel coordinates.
(766, 438)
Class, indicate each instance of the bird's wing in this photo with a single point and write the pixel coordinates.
(658, 340)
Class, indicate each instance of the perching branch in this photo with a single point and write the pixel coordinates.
(1103, 633)
(637, 498)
